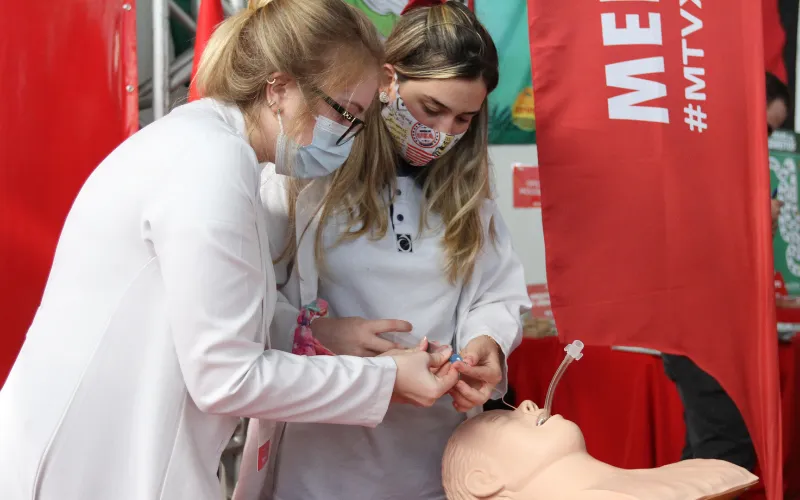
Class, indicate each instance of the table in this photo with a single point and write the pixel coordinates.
(628, 409)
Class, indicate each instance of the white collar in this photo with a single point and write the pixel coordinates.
(233, 116)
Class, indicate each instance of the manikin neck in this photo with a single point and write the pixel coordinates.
(572, 473)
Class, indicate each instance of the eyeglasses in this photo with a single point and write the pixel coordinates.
(356, 125)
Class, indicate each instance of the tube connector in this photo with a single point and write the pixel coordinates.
(574, 349)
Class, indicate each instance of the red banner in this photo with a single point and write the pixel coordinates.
(527, 190)
(69, 98)
(655, 188)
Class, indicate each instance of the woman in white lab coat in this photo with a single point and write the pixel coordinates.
(150, 339)
(415, 237)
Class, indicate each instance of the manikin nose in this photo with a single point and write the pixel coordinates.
(528, 407)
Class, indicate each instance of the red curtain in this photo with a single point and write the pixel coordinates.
(69, 97)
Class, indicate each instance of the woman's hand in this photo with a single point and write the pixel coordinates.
(422, 377)
(357, 336)
(481, 370)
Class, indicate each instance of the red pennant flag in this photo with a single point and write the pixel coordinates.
(208, 17)
(652, 140)
(414, 4)
(774, 40)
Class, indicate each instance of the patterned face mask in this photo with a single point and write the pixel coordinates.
(415, 142)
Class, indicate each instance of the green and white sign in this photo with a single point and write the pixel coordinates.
(383, 13)
(784, 158)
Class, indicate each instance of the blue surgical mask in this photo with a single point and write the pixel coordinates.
(320, 158)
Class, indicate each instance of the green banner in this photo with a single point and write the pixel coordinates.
(511, 104)
(383, 13)
(784, 158)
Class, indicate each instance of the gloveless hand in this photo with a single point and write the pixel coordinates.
(357, 336)
(422, 377)
(481, 370)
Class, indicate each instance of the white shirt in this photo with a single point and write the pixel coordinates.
(149, 342)
(400, 276)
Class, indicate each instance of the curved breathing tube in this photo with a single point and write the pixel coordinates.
(573, 351)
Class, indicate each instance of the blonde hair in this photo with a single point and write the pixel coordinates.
(325, 45)
(440, 42)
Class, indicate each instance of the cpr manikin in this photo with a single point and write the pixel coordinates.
(526, 454)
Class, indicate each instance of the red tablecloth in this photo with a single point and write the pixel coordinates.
(628, 409)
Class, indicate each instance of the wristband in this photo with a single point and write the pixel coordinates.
(304, 342)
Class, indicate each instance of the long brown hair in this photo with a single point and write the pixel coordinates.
(440, 42)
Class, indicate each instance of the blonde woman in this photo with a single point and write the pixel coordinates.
(149, 343)
(414, 236)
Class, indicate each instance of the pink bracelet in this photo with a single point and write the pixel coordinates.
(304, 342)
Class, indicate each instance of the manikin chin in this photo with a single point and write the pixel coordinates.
(505, 455)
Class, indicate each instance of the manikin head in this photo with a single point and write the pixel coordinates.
(502, 452)
(505, 455)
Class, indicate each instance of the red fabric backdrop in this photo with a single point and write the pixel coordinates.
(65, 107)
(630, 412)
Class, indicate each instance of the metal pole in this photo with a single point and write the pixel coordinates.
(160, 58)
(229, 7)
(180, 71)
(179, 14)
(238, 5)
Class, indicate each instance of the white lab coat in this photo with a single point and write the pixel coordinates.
(488, 305)
(149, 342)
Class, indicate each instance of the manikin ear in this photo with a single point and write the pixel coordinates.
(483, 484)
(276, 89)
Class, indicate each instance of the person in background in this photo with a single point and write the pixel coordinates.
(415, 236)
(149, 343)
(714, 426)
(778, 103)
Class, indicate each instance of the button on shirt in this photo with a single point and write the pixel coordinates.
(400, 276)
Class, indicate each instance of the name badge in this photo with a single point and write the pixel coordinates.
(266, 429)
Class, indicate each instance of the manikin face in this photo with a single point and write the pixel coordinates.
(518, 435)
(519, 449)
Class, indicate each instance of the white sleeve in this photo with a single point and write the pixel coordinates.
(203, 230)
(283, 324)
(501, 295)
(276, 210)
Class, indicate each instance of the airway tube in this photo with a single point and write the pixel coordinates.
(573, 352)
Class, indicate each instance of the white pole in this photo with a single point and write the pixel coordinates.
(160, 58)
